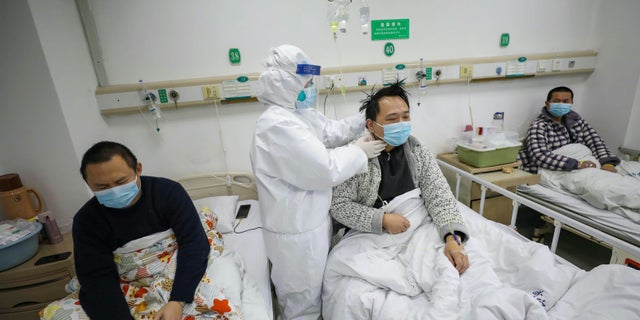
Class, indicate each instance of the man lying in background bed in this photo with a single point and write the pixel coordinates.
(128, 206)
(556, 126)
(403, 166)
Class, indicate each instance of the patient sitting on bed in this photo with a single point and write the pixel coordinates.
(128, 206)
(359, 203)
(556, 126)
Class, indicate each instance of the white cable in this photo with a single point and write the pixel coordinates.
(224, 150)
(469, 101)
(344, 96)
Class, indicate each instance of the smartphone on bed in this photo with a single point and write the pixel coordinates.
(243, 211)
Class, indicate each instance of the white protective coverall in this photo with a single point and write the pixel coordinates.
(297, 156)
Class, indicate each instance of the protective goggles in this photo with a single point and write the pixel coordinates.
(308, 69)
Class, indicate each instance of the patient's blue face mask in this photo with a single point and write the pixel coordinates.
(396, 134)
(307, 97)
(120, 196)
(558, 109)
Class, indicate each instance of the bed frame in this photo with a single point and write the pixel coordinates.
(572, 213)
(559, 218)
(241, 184)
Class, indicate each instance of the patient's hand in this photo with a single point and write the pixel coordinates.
(609, 168)
(456, 254)
(586, 164)
(171, 311)
(395, 223)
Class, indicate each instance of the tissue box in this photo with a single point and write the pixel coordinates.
(481, 158)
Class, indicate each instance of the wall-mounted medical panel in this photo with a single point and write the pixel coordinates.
(129, 98)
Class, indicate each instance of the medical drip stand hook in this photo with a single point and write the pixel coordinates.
(421, 76)
(150, 98)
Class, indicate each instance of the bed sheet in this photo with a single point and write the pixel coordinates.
(603, 220)
(246, 240)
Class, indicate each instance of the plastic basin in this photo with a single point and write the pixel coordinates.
(15, 253)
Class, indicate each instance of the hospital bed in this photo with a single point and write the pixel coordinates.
(372, 276)
(624, 230)
(224, 194)
(566, 211)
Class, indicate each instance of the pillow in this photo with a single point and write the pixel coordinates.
(224, 207)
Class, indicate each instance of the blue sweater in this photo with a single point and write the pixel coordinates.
(99, 230)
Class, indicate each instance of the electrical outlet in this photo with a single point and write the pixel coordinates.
(543, 66)
(466, 71)
(329, 81)
(174, 95)
(556, 65)
(210, 92)
(437, 73)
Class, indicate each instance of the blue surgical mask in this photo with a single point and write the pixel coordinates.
(559, 109)
(307, 98)
(397, 133)
(120, 196)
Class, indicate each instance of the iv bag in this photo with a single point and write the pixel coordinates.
(332, 16)
(338, 15)
(364, 16)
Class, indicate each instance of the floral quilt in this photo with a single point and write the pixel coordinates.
(147, 268)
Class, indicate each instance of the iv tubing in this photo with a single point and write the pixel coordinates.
(469, 100)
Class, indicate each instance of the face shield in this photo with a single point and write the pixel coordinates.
(306, 69)
(308, 96)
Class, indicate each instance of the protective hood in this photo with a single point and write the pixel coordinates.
(279, 84)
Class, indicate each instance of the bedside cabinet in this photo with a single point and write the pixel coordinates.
(496, 206)
(26, 289)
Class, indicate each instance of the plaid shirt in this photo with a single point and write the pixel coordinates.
(546, 135)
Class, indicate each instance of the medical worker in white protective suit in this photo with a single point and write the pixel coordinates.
(298, 155)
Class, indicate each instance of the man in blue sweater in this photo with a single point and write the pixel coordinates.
(128, 206)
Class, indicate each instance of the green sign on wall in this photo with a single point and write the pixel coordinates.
(504, 40)
(389, 49)
(234, 55)
(390, 29)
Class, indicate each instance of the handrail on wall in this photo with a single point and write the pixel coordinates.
(124, 98)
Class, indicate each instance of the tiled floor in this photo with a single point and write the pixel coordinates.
(583, 253)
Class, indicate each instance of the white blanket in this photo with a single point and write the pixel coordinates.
(407, 276)
(615, 192)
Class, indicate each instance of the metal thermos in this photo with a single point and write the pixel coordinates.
(498, 121)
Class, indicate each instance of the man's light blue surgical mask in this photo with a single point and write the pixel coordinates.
(559, 109)
(397, 133)
(307, 98)
(120, 196)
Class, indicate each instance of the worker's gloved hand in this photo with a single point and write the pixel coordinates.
(370, 145)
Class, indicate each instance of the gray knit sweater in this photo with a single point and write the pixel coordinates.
(353, 200)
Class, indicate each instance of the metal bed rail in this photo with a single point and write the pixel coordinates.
(559, 219)
(633, 154)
